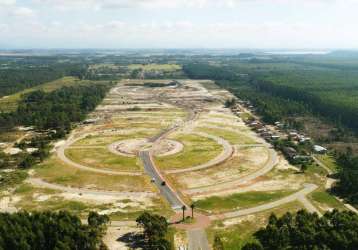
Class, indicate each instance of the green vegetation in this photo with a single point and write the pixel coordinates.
(197, 150)
(12, 178)
(10, 102)
(153, 67)
(329, 161)
(231, 136)
(55, 171)
(326, 201)
(17, 77)
(239, 200)
(155, 230)
(235, 236)
(49, 230)
(347, 186)
(309, 231)
(57, 109)
(103, 158)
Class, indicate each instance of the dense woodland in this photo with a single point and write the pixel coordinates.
(282, 89)
(334, 231)
(347, 187)
(55, 110)
(17, 76)
(50, 230)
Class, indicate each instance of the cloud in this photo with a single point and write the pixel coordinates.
(149, 4)
(23, 12)
(7, 2)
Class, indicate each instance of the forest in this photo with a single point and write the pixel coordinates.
(303, 230)
(280, 89)
(22, 74)
(51, 230)
(55, 110)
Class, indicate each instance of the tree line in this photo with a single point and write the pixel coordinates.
(55, 110)
(51, 230)
(347, 186)
(18, 78)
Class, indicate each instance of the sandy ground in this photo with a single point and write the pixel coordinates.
(116, 237)
(131, 147)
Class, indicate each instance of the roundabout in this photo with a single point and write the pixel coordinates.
(132, 147)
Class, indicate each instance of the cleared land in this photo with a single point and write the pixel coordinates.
(197, 150)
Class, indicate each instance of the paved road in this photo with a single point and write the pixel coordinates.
(298, 195)
(197, 240)
(223, 156)
(223, 186)
(169, 194)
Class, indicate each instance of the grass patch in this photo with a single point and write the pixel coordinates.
(325, 201)
(239, 200)
(237, 235)
(230, 136)
(155, 67)
(103, 158)
(55, 171)
(160, 206)
(11, 179)
(328, 161)
(197, 150)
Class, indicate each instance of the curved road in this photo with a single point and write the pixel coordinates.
(296, 196)
(61, 155)
(223, 156)
(272, 161)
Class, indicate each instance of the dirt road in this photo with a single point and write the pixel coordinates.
(298, 195)
(223, 156)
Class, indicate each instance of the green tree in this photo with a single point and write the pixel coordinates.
(155, 228)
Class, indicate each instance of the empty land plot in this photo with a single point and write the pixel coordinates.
(197, 150)
(55, 171)
(131, 211)
(103, 158)
(104, 140)
(238, 231)
(325, 201)
(231, 136)
(155, 67)
(221, 204)
(243, 162)
(42, 199)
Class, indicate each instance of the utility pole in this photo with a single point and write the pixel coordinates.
(183, 208)
(192, 206)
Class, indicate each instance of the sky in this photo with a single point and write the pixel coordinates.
(256, 24)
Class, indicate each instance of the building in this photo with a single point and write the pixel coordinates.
(319, 149)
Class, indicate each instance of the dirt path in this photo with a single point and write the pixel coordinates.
(308, 205)
(197, 240)
(43, 184)
(61, 155)
(221, 187)
(296, 196)
(330, 182)
(223, 156)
